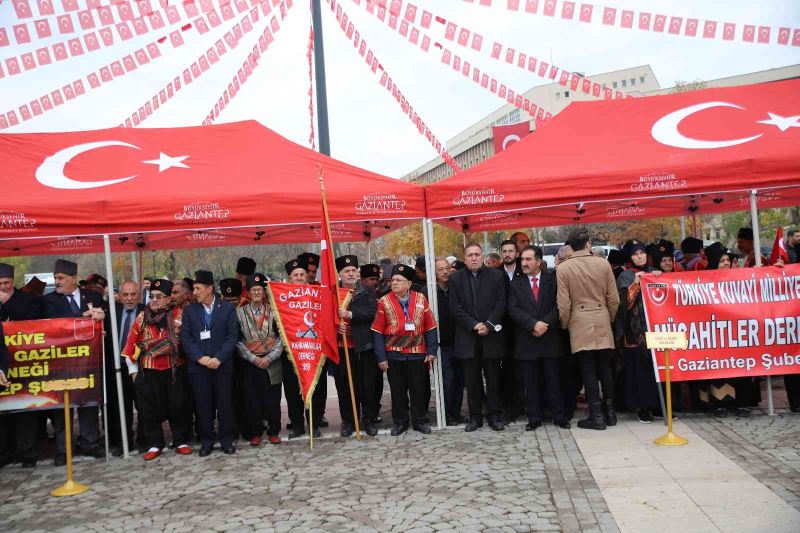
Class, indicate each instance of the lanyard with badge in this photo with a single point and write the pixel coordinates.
(409, 323)
(206, 333)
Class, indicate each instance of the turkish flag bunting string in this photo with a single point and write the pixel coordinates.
(387, 82)
(471, 40)
(310, 58)
(106, 74)
(647, 21)
(247, 68)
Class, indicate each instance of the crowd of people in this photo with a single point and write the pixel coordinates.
(517, 338)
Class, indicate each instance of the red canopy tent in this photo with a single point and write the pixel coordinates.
(224, 185)
(671, 155)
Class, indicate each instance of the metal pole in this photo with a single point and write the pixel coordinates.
(683, 228)
(369, 253)
(433, 302)
(757, 252)
(134, 268)
(319, 70)
(486, 242)
(694, 225)
(112, 308)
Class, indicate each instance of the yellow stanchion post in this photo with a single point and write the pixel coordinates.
(669, 439)
(70, 488)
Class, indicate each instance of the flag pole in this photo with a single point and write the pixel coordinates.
(332, 266)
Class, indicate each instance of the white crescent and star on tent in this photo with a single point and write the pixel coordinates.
(51, 172)
(665, 130)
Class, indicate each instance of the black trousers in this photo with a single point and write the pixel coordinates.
(240, 417)
(407, 382)
(543, 372)
(87, 428)
(262, 402)
(792, 384)
(596, 364)
(19, 436)
(570, 371)
(474, 371)
(294, 401)
(160, 399)
(378, 392)
(363, 366)
(128, 394)
(213, 394)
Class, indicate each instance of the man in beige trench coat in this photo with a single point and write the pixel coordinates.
(587, 304)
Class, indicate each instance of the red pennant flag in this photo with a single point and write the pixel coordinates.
(728, 31)
(796, 38)
(627, 19)
(532, 64)
(531, 6)
(783, 36)
(27, 61)
(549, 8)
(463, 36)
(86, 20)
(659, 23)
(543, 69)
(496, 48)
(513, 5)
(763, 34)
(42, 28)
(23, 9)
(4, 37)
(675, 25)
(564, 78)
(477, 41)
(21, 33)
(553, 73)
(691, 27)
(573, 84)
(779, 249)
(522, 60)
(91, 41)
(644, 21)
(45, 7)
(710, 29)
(595, 89)
(75, 47)
(43, 55)
(426, 19)
(411, 13)
(510, 55)
(303, 330)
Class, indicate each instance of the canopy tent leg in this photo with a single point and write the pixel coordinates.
(486, 241)
(134, 268)
(694, 225)
(757, 248)
(112, 309)
(683, 228)
(430, 271)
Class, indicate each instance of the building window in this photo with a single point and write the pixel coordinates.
(641, 79)
(633, 82)
(558, 95)
(624, 83)
(614, 85)
(566, 94)
(514, 116)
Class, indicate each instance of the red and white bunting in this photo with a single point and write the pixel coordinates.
(384, 77)
(248, 65)
(655, 22)
(310, 58)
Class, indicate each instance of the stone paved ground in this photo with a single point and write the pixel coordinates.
(447, 481)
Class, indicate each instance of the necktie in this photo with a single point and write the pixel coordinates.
(73, 305)
(474, 288)
(535, 289)
(126, 327)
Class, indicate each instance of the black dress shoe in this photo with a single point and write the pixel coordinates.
(317, 433)
(289, 425)
(742, 412)
(230, 450)
(323, 422)
(205, 452)
(564, 424)
(29, 463)
(377, 420)
(497, 425)
(473, 426)
(60, 459)
(347, 430)
(296, 432)
(95, 451)
(452, 422)
(533, 424)
(423, 428)
(371, 430)
(399, 429)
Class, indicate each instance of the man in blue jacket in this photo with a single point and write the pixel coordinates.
(209, 334)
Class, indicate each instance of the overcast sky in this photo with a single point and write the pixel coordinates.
(367, 127)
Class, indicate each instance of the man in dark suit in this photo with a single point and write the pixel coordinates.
(510, 380)
(70, 301)
(18, 305)
(209, 334)
(128, 309)
(533, 307)
(355, 325)
(478, 305)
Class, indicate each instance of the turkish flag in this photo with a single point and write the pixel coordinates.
(728, 31)
(509, 55)
(659, 23)
(22, 8)
(107, 36)
(21, 33)
(4, 37)
(330, 302)
(691, 27)
(94, 80)
(543, 69)
(450, 31)
(710, 29)
(86, 20)
(75, 47)
(644, 21)
(426, 43)
(426, 19)
(414, 36)
(496, 48)
(564, 78)
(574, 82)
(91, 41)
(463, 37)
(24, 112)
(549, 8)
(553, 72)
(779, 249)
(27, 61)
(43, 55)
(675, 24)
(47, 104)
(522, 60)
(70, 5)
(60, 51)
(609, 16)
(586, 12)
(796, 38)
(587, 86)
(531, 6)
(763, 34)
(595, 89)
(532, 64)
(45, 7)
(124, 31)
(513, 5)
(505, 136)
(783, 36)
(568, 10)
(411, 13)
(12, 65)
(627, 19)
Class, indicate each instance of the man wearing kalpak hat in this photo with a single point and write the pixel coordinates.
(744, 242)
(371, 277)
(158, 370)
(18, 305)
(70, 301)
(209, 334)
(312, 264)
(405, 339)
(260, 348)
(355, 329)
(691, 248)
(245, 267)
(231, 290)
(296, 270)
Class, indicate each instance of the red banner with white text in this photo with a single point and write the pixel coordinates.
(739, 322)
(48, 355)
(299, 311)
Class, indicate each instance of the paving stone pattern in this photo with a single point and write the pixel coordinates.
(448, 481)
